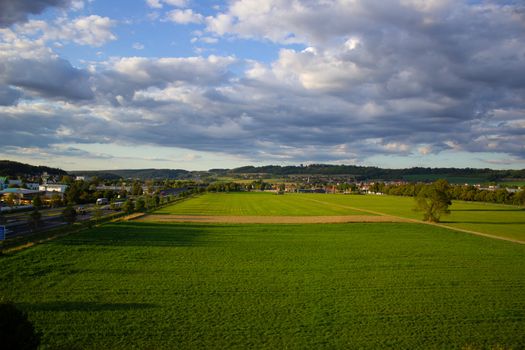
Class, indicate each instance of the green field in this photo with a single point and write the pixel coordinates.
(512, 183)
(253, 204)
(155, 286)
(495, 219)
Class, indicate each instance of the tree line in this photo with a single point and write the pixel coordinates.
(369, 172)
(456, 192)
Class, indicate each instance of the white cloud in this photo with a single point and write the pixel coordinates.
(90, 30)
(186, 16)
(138, 46)
(205, 39)
(77, 5)
(158, 4)
(177, 3)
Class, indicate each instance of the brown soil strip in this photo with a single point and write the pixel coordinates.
(382, 217)
(129, 217)
(270, 219)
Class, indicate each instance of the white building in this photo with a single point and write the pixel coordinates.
(52, 188)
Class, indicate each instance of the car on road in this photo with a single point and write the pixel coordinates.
(102, 201)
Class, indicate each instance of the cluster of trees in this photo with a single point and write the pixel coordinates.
(225, 187)
(257, 185)
(464, 193)
(81, 192)
(434, 199)
(148, 202)
(346, 187)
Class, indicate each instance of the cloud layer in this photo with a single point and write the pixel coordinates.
(362, 78)
(13, 11)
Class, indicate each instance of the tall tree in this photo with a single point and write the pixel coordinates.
(70, 214)
(37, 202)
(136, 188)
(520, 197)
(35, 219)
(128, 206)
(97, 213)
(140, 205)
(433, 200)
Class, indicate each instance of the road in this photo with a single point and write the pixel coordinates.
(18, 224)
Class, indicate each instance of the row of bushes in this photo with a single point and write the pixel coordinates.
(464, 193)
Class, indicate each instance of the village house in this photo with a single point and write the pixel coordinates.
(20, 196)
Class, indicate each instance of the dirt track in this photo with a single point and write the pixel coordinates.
(270, 219)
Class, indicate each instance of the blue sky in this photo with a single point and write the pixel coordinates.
(204, 84)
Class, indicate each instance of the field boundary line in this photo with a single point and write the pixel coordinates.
(474, 232)
(487, 235)
(248, 219)
(354, 208)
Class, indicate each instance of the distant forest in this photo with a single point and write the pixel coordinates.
(143, 174)
(14, 169)
(366, 172)
(10, 168)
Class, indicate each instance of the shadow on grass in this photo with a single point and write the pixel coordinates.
(484, 222)
(84, 306)
(145, 234)
(499, 209)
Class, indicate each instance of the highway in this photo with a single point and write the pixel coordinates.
(18, 223)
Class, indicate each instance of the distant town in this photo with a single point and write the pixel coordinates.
(90, 194)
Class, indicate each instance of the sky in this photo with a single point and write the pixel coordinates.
(189, 84)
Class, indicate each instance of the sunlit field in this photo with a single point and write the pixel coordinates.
(496, 219)
(254, 203)
(500, 220)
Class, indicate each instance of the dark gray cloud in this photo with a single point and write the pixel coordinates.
(9, 96)
(13, 11)
(48, 77)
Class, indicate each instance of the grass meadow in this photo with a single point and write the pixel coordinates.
(254, 204)
(164, 286)
(495, 219)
